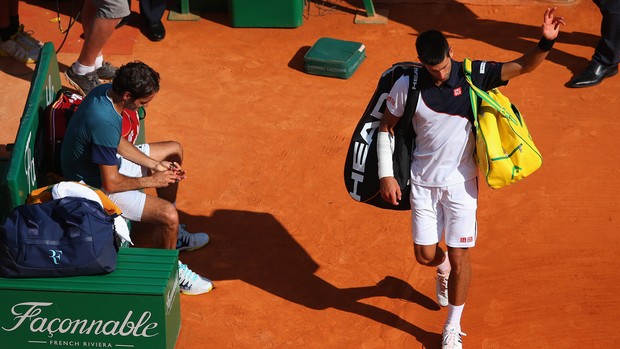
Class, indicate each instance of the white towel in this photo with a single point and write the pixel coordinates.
(64, 189)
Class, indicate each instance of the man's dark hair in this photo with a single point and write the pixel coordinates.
(432, 47)
(137, 78)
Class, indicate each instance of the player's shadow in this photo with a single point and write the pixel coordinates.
(255, 248)
(17, 69)
(20, 70)
(457, 21)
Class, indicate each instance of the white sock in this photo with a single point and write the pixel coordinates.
(98, 62)
(444, 267)
(454, 316)
(82, 69)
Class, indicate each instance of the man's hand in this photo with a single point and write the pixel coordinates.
(551, 24)
(173, 167)
(390, 190)
(178, 171)
(162, 166)
(162, 179)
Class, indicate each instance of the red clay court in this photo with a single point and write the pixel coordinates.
(295, 261)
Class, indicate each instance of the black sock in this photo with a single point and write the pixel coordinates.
(6, 33)
(14, 24)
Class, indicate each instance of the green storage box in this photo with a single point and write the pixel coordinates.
(136, 306)
(333, 57)
(266, 13)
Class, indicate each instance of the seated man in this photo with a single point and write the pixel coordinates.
(89, 153)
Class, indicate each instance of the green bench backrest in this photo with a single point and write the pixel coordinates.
(25, 166)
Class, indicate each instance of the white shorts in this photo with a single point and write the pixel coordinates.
(452, 210)
(131, 202)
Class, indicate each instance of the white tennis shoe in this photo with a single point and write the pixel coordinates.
(452, 338)
(191, 283)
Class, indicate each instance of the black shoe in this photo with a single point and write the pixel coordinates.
(155, 31)
(593, 75)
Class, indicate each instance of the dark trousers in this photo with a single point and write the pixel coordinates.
(608, 48)
(152, 10)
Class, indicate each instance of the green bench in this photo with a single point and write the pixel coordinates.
(136, 306)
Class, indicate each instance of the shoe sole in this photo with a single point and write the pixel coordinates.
(188, 249)
(197, 294)
(76, 86)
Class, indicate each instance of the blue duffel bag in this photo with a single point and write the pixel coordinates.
(65, 237)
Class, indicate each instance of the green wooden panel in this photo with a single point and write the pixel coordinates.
(25, 166)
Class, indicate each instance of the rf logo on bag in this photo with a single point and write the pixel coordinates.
(55, 256)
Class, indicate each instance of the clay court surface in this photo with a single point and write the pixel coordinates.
(295, 261)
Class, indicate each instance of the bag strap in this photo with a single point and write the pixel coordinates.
(73, 223)
(30, 220)
(475, 91)
(413, 95)
(58, 208)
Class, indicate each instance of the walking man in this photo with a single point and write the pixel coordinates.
(444, 186)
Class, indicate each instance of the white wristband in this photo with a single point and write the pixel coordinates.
(385, 149)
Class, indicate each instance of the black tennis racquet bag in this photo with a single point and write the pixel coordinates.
(361, 166)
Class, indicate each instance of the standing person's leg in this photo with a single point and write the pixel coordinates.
(125, 19)
(458, 286)
(32, 45)
(5, 19)
(604, 62)
(434, 256)
(13, 15)
(608, 48)
(460, 275)
(427, 225)
(14, 42)
(152, 12)
(99, 21)
(13, 7)
(100, 32)
(460, 204)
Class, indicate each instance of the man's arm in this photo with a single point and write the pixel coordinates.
(133, 154)
(114, 182)
(389, 188)
(531, 59)
(129, 151)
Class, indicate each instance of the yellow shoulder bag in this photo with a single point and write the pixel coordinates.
(505, 151)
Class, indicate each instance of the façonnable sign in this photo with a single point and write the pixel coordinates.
(136, 306)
